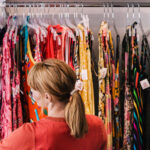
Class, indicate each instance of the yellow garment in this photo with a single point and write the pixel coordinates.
(87, 93)
(102, 98)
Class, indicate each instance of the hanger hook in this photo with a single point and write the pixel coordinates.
(139, 12)
(128, 7)
(113, 16)
(68, 6)
(104, 11)
(82, 10)
(108, 11)
(133, 10)
(128, 10)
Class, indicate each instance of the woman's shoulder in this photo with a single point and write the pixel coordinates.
(95, 123)
(94, 119)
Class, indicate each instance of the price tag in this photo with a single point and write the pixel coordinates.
(84, 74)
(129, 32)
(59, 41)
(79, 85)
(108, 36)
(103, 72)
(145, 84)
(133, 32)
(92, 38)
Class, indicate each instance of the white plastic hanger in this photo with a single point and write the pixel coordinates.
(68, 22)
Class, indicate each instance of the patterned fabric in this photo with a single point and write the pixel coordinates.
(102, 98)
(85, 71)
(117, 128)
(77, 58)
(105, 62)
(128, 101)
(35, 112)
(138, 104)
(6, 109)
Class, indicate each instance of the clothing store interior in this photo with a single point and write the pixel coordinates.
(106, 43)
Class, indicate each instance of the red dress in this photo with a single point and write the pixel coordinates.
(54, 134)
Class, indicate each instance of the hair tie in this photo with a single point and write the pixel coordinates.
(78, 87)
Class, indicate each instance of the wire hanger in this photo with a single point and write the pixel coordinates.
(108, 13)
(127, 18)
(113, 18)
(104, 14)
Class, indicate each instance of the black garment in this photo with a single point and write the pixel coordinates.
(145, 59)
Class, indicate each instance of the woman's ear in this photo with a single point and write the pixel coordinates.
(48, 98)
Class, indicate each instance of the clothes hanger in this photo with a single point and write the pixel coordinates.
(76, 17)
(30, 22)
(8, 22)
(61, 15)
(3, 16)
(69, 24)
(113, 22)
(54, 18)
(108, 19)
(84, 21)
(127, 18)
(14, 24)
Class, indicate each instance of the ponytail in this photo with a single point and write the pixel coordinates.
(75, 116)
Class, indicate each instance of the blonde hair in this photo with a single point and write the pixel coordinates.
(57, 78)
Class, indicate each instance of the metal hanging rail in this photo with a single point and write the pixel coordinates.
(74, 4)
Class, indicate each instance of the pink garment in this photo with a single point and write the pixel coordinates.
(37, 57)
(17, 107)
(6, 110)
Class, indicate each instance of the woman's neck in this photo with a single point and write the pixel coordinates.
(56, 110)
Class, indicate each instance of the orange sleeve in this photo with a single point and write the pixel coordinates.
(22, 138)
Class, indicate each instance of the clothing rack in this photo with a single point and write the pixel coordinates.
(77, 3)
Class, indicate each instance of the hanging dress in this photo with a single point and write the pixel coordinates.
(6, 109)
(85, 71)
(35, 112)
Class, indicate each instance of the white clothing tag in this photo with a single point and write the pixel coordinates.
(84, 74)
(103, 72)
(81, 35)
(107, 36)
(133, 32)
(59, 41)
(54, 34)
(145, 84)
(129, 32)
(79, 85)
(92, 38)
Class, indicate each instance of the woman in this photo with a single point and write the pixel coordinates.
(54, 86)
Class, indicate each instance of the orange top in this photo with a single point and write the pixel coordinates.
(54, 134)
(35, 112)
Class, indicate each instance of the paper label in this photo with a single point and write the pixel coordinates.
(54, 34)
(107, 36)
(133, 32)
(129, 32)
(79, 85)
(103, 72)
(84, 74)
(92, 38)
(59, 41)
(145, 84)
